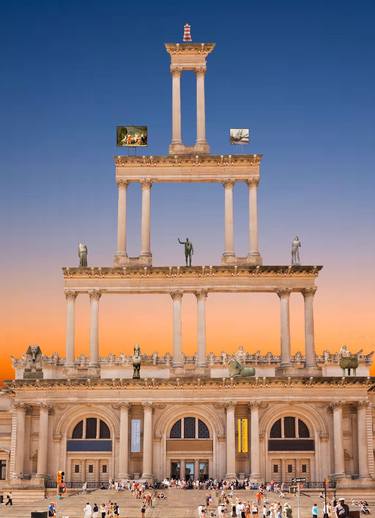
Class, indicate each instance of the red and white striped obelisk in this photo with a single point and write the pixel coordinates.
(187, 35)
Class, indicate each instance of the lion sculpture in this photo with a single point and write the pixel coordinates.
(238, 370)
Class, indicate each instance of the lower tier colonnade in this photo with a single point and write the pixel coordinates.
(141, 439)
(201, 298)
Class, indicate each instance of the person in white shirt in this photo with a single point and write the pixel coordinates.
(87, 510)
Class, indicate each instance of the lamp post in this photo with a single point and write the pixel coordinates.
(325, 513)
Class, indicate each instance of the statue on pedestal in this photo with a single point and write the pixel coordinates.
(82, 254)
(296, 245)
(188, 250)
(137, 362)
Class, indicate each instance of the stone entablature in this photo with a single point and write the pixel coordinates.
(211, 278)
(188, 168)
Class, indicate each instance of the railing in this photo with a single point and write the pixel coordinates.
(52, 484)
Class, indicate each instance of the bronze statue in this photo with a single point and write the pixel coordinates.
(188, 250)
(82, 254)
(137, 362)
(348, 361)
(238, 370)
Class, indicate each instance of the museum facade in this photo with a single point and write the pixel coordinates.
(150, 417)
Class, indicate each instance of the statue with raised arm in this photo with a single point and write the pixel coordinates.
(296, 245)
(188, 250)
(82, 254)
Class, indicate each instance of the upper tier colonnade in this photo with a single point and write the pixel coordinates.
(227, 170)
(200, 281)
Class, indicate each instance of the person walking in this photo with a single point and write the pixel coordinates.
(9, 498)
(314, 511)
(342, 509)
(95, 511)
(87, 510)
(103, 511)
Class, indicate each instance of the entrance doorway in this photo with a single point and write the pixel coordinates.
(189, 470)
(175, 470)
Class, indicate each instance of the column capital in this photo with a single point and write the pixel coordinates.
(95, 294)
(43, 405)
(175, 70)
(176, 294)
(254, 404)
(122, 182)
(254, 180)
(364, 403)
(201, 294)
(336, 404)
(229, 405)
(228, 183)
(70, 294)
(146, 183)
(147, 404)
(17, 405)
(200, 69)
(284, 292)
(306, 292)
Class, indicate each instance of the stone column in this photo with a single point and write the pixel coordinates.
(70, 326)
(308, 295)
(362, 439)
(145, 224)
(284, 327)
(42, 468)
(176, 106)
(147, 441)
(338, 445)
(20, 438)
(177, 328)
(254, 441)
(121, 218)
(231, 442)
(124, 441)
(253, 218)
(94, 326)
(201, 327)
(228, 222)
(201, 116)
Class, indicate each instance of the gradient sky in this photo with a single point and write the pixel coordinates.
(299, 74)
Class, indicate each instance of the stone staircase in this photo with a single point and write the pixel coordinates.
(179, 503)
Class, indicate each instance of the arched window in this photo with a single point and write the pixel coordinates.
(189, 428)
(290, 434)
(91, 428)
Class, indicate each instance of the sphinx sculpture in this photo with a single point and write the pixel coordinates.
(238, 370)
(33, 363)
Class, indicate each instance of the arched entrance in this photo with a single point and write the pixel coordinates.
(189, 449)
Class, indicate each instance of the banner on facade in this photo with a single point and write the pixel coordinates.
(135, 436)
(243, 435)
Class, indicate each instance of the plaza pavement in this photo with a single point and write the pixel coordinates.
(179, 504)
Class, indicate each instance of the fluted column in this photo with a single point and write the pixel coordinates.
(308, 295)
(43, 440)
(201, 327)
(284, 296)
(121, 218)
(228, 219)
(201, 116)
(253, 218)
(254, 441)
(362, 439)
(147, 441)
(177, 328)
(338, 444)
(20, 409)
(94, 326)
(145, 224)
(176, 106)
(70, 326)
(231, 442)
(124, 441)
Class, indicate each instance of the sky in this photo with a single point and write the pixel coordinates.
(300, 75)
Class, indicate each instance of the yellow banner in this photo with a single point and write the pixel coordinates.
(243, 435)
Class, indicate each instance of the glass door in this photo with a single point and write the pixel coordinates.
(203, 470)
(189, 470)
(175, 470)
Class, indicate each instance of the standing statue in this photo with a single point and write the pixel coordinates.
(296, 245)
(82, 254)
(137, 358)
(188, 250)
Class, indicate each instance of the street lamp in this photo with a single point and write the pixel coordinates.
(325, 513)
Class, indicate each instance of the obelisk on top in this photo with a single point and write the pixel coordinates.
(188, 56)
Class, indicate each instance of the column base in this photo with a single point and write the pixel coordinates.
(230, 476)
(124, 476)
(141, 260)
(147, 476)
(120, 259)
(181, 149)
(255, 477)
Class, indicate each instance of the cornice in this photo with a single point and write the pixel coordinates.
(173, 161)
